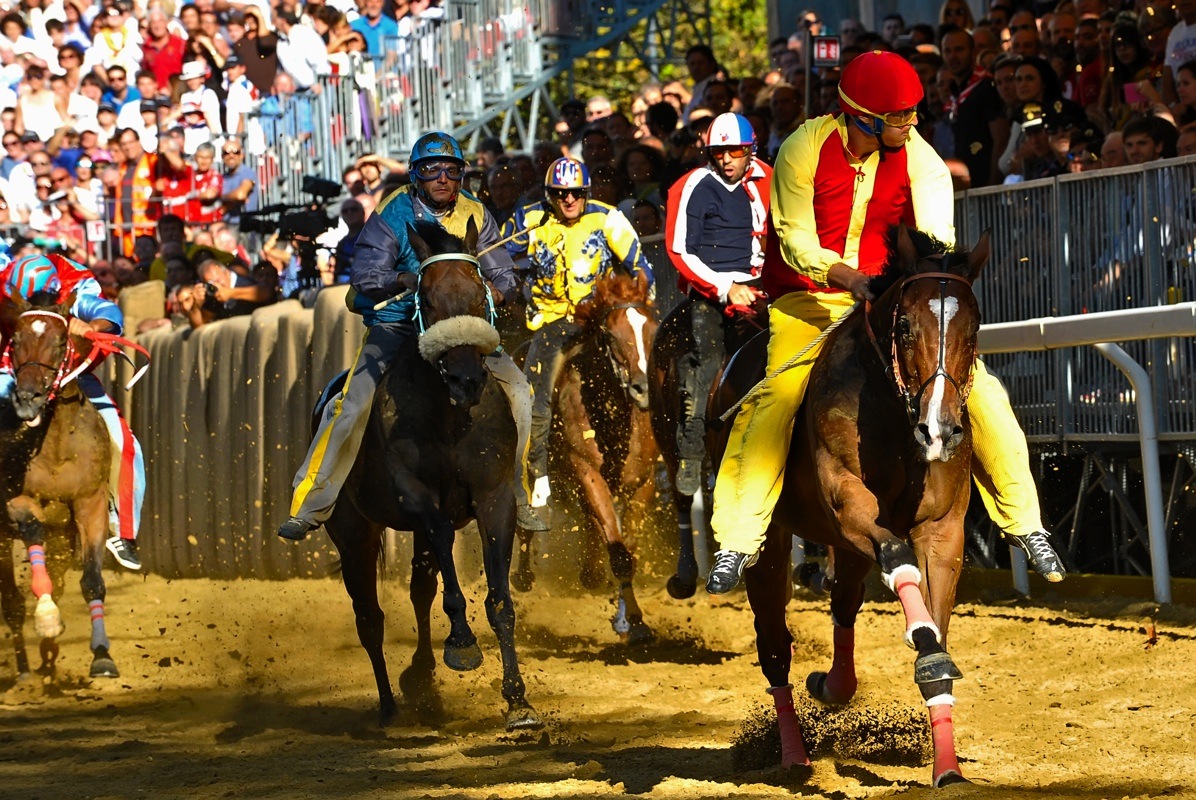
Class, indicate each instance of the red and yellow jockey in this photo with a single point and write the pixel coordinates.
(840, 183)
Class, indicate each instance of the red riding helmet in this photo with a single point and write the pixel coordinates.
(879, 83)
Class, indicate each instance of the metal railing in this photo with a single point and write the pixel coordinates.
(1100, 241)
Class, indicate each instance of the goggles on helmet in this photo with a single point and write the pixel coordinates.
(433, 170)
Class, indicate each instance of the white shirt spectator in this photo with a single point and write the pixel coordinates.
(114, 46)
(22, 190)
(209, 103)
(303, 54)
(90, 195)
(242, 98)
(1181, 46)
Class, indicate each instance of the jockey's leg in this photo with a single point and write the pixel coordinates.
(545, 360)
(696, 370)
(749, 477)
(1001, 468)
(519, 394)
(342, 428)
(127, 481)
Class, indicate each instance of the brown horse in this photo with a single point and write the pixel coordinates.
(439, 452)
(673, 342)
(56, 463)
(879, 471)
(603, 428)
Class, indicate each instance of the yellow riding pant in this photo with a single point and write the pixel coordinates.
(750, 475)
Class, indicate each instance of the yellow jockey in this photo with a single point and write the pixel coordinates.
(839, 184)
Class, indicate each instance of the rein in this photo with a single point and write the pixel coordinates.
(911, 400)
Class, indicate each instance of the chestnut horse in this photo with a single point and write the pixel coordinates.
(878, 471)
(674, 341)
(604, 431)
(439, 452)
(55, 456)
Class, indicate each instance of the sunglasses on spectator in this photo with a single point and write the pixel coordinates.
(84, 164)
(433, 170)
(733, 152)
(565, 194)
(231, 152)
(899, 119)
(12, 142)
(39, 162)
(68, 54)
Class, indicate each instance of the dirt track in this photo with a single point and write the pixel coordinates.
(256, 689)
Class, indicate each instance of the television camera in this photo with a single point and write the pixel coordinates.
(302, 223)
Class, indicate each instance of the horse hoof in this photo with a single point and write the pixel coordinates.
(592, 579)
(816, 687)
(523, 580)
(463, 659)
(681, 590)
(935, 667)
(640, 634)
(48, 650)
(523, 718)
(386, 712)
(47, 621)
(103, 667)
(949, 778)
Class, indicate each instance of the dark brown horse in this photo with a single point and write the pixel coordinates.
(602, 425)
(55, 457)
(438, 453)
(674, 341)
(879, 471)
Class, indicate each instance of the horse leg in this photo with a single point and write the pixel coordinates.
(838, 686)
(14, 609)
(28, 518)
(768, 590)
(684, 583)
(622, 559)
(461, 650)
(524, 578)
(91, 518)
(496, 523)
(600, 507)
(416, 680)
(359, 543)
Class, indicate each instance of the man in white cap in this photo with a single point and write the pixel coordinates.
(194, 74)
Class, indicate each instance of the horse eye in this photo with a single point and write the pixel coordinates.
(904, 330)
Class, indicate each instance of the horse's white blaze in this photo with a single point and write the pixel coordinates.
(638, 321)
(39, 327)
(944, 311)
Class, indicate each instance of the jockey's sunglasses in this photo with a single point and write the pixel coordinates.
(899, 119)
(733, 152)
(564, 194)
(432, 170)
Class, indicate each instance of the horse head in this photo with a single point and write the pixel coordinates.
(40, 352)
(925, 324)
(454, 311)
(620, 316)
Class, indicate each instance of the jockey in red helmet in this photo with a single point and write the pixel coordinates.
(841, 183)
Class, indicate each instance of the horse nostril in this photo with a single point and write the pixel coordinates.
(922, 433)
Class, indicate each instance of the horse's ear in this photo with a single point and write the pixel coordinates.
(422, 251)
(11, 310)
(907, 253)
(979, 255)
(471, 236)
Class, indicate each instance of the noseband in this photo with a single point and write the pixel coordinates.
(912, 401)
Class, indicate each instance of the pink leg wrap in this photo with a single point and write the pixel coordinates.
(793, 749)
(943, 733)
(41, 584)
(905, 584)
(841, 681)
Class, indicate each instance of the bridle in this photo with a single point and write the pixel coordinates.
(103, 344)
(491, 314)
(913, 401)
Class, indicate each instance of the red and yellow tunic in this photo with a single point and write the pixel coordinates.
(829, 207)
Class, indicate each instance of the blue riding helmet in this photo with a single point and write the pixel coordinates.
(435, 145)
(30, 275)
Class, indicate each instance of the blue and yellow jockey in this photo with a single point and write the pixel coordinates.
(382, 257)
(53, 274)
(569, 240)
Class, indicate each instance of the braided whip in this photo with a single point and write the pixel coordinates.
(788, 365)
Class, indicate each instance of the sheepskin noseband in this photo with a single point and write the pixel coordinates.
(454, 332)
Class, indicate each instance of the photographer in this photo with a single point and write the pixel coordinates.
(223, 292)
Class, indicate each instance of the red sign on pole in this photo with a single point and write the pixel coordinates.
(826, 51)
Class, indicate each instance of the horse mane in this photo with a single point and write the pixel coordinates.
(43, 300)
(926, 245)
(615, 288)
(437, 238)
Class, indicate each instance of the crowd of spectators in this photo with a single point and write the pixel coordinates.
(126, 128)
